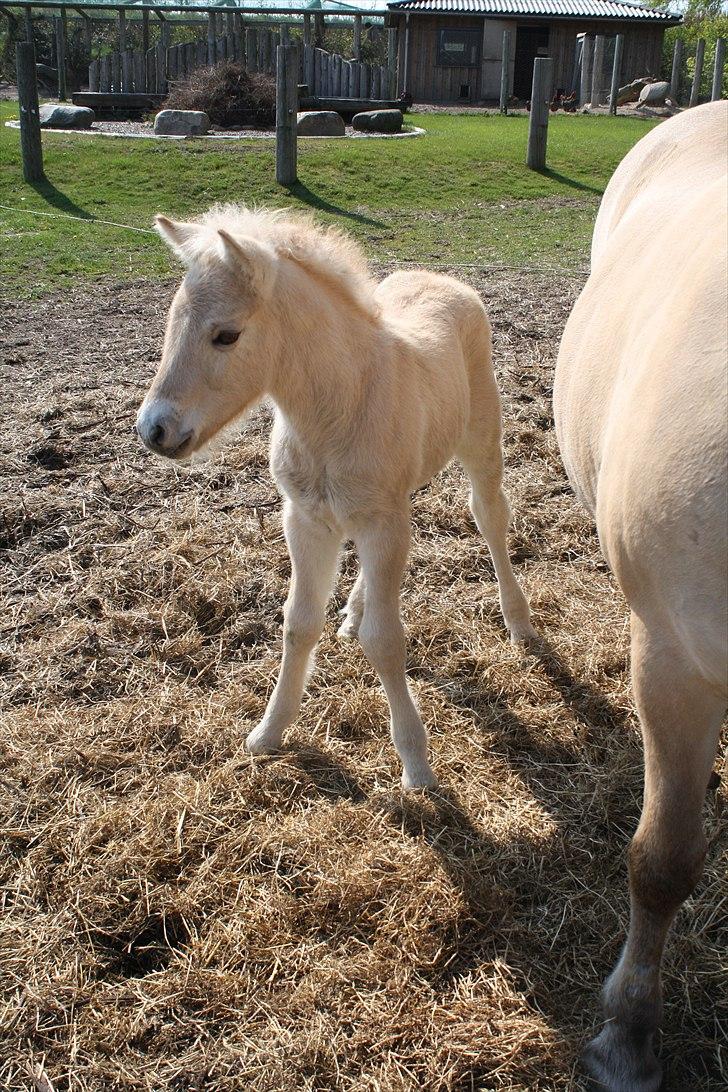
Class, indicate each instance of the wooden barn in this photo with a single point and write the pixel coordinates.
(450, 51)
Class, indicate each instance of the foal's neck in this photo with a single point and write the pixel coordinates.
(328, 347)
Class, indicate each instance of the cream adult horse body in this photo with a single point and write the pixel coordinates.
(641, 417)
(375, 389)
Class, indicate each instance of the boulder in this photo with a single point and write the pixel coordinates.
(320, 123)
(187, 123)
(378, 121)
(61, 116)
(654, 94)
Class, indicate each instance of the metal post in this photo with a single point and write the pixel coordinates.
(30, 142)
(616, 72)
(597, 70)
(505, 72)
(286, 107)
(677, 58)
(717, 91)
(698, 74)
(61, 54)
(539, 118)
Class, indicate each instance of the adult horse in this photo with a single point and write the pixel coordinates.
(641, 418)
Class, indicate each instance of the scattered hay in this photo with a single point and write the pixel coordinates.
(179, 916)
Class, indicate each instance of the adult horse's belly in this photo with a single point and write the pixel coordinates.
(641, 415)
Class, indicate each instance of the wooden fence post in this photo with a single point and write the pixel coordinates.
(677, 58)
(115, 73)
(586, 56)
(717, 91)
(93, 76)
(357, 37)
(251, 49)
(30, 142)
(391, 62)
(505, 72)
(307, 28)
(616, 72)
(211, 37)
(60, 22)
(121, 30)
(104, 73)
(286, 108)
(597, 70)
(127, 71)
(29, 25)
(539, 119)
(698, 74)
(145, 49)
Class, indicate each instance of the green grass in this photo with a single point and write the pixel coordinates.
(461, 194)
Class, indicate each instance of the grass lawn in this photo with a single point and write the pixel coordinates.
(461, 194)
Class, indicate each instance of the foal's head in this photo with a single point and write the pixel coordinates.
(217, 352)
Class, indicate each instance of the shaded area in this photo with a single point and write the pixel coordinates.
(303, 193)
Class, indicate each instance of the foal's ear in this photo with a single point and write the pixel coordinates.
(177, 235)
(254, 260)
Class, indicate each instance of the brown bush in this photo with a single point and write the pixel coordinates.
(228, 94)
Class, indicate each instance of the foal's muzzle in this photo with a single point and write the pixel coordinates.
(163, 434)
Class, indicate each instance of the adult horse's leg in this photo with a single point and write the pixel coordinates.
(482, 458)
(353, 612)
(383, 548)
(680, 717)
(314, 550)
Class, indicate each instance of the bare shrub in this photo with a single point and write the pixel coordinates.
(228, 94)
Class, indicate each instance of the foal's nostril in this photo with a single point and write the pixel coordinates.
(156, 435)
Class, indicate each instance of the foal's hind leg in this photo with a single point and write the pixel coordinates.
(482, 458)
(680, 719)
(314, 550)
(353, 612)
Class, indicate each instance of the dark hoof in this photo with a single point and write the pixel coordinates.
(615, 1063)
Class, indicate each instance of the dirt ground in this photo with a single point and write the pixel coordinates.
(177, 915)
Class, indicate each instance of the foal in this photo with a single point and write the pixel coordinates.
(376, 388)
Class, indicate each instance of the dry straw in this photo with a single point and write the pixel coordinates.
(178, 916)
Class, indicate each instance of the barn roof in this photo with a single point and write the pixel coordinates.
(547, 9)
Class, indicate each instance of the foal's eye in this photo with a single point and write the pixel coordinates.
(226, 337)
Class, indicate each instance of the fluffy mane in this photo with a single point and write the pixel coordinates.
(326, 253)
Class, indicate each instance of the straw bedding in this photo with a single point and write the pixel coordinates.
(176, 915)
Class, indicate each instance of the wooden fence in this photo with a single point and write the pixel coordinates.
(327, 75)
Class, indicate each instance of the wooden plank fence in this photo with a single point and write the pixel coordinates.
(327, 75)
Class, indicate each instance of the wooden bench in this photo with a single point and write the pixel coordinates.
(118, 106)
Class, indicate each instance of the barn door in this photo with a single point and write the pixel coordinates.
(531, 42)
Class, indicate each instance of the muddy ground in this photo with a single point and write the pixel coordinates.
(177, 915)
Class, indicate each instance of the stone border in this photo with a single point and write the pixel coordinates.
(413, 132)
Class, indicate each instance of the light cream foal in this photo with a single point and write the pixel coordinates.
(376, 388)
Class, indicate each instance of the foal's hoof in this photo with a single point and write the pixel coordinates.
(420, 778)
(261, 742)
(615, 1063)
(349, 628)
(521, 633)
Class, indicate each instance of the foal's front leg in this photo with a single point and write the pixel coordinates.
(383, 548)
(314, 550)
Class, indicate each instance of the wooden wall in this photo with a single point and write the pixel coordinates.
(429, 82)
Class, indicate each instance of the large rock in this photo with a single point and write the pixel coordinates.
(654, 94)
(54, 116)
(378, 121)
(320, 123)
(187, 123)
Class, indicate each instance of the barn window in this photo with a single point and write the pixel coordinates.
(458, 48)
